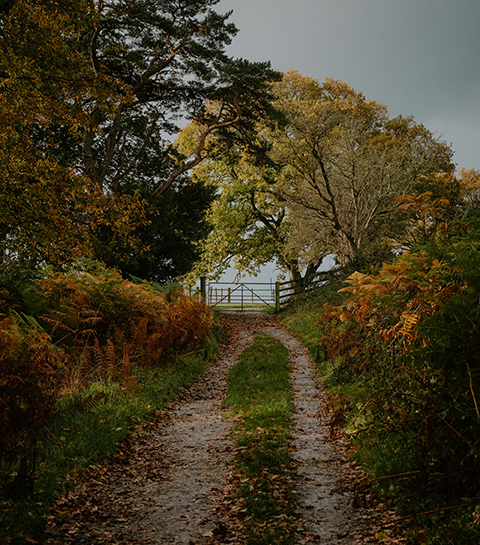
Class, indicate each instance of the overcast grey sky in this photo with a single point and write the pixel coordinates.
(418, 57)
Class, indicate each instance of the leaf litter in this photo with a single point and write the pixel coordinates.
(170, 483)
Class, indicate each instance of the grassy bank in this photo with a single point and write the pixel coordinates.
(85, 357)
(85, 431)
(260, 397)
(386, 397)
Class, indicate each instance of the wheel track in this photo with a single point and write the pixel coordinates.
(168, 488)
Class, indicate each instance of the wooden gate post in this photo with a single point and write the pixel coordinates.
(277, 296)
(203, 288)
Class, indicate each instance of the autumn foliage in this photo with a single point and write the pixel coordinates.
(408, 334)
(59, 331)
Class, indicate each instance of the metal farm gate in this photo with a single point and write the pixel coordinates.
(256, 295)
(242, 295)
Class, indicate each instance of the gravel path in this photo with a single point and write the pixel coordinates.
(324, 476)
(165, 488)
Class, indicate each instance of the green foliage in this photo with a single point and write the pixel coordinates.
(247, 216)
(88, 426)
(74, 342)
(174, 227)
(319, 187)
(250, 219)
(300, 315)
(260, 397)
(90, 97)
(399, 356)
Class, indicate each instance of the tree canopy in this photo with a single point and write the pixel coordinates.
(251, 224)
(90, 95)
(344, 161)
(327, 182)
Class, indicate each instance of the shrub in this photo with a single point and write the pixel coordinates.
(62, 330)
(409, 336)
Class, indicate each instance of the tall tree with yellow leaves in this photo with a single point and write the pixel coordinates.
(344, 160)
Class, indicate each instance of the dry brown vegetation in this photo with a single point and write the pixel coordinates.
(60, 331)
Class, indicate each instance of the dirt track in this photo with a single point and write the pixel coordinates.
(167, 485)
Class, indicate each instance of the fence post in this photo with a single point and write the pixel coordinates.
(203, 288)
(277, 296)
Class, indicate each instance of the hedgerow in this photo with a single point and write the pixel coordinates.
(408, 338)
(61, 331)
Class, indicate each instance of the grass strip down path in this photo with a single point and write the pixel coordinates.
(260, 398)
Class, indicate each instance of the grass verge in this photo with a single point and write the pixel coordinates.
(260, 398)
(86, 429)
(429, 517)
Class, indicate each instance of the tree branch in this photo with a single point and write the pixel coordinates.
(271, 225)
(131, 165)
(93, 51)
(197, 157)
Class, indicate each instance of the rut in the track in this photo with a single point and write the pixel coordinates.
(166, 488)
(324, 475)
(196, 444)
